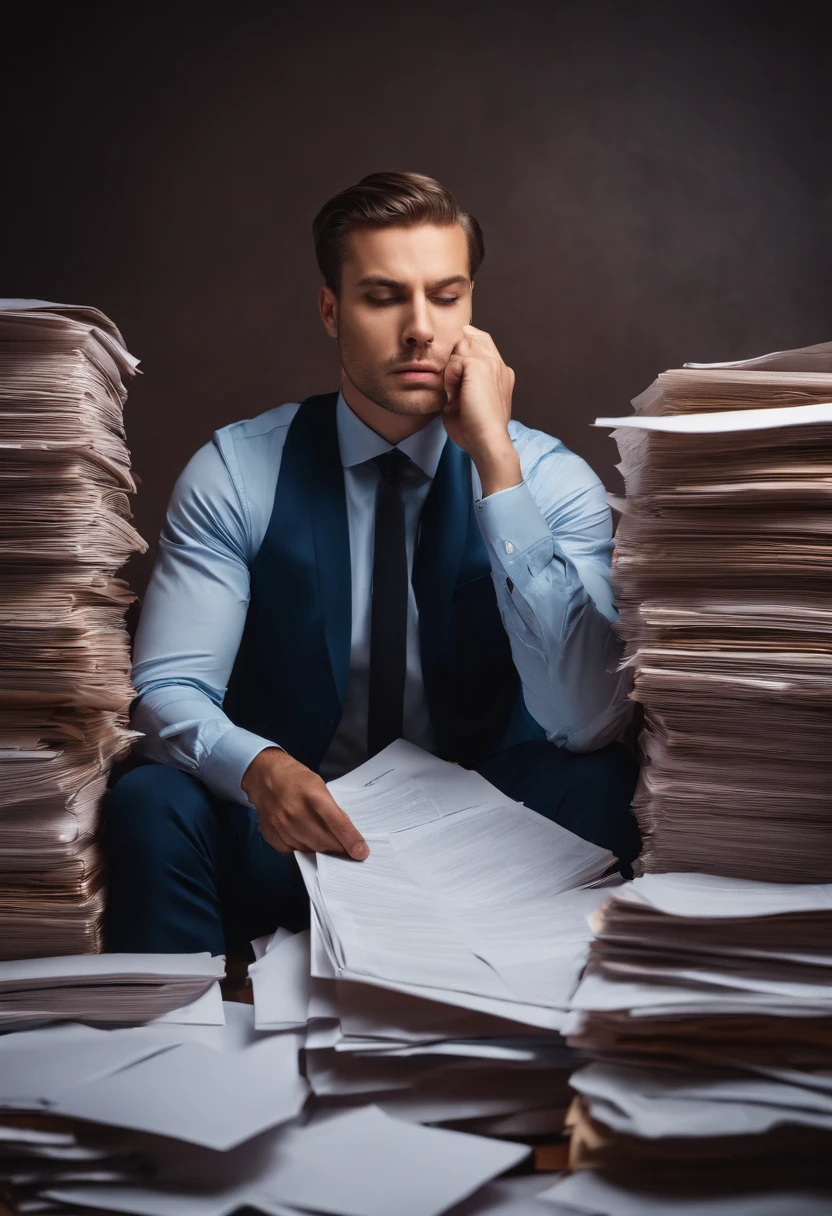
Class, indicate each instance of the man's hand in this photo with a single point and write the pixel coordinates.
(296, 810)
(479, 387)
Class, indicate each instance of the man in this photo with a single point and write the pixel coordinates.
(399, 558)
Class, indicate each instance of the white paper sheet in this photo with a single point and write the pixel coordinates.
(38, 1065)
(377, 1166)
(720, 422)
(206, 1010)
(282, 984)
(587, 1193)
(708, 895)
(19, 972)
(199, 1095)
(357, 1163)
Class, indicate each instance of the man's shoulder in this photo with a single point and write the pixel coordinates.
(276, 419)
(543, 456)
(252, 447)
(244, 454)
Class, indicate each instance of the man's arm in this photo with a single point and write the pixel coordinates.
(190, 628)
(545, 519)
(189, 632)
(550, 543)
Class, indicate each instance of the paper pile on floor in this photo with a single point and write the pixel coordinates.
(170, 1119)
(708, 1002)
(64, 652)
(722, 581)
(431, 990)
(442, 966)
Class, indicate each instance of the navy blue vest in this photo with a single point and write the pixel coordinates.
(290, 673)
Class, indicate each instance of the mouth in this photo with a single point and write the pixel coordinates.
(418, 373)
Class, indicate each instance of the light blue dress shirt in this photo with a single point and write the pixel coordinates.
(549, 540)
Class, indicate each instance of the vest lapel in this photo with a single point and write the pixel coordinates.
(331, 538)
(290, 676)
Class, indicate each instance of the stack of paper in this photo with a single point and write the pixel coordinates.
(438, 972)
(171, 1120)
(587, 1193)
(708, 1003)
(64, 652)
(104, 989)
(722, 573)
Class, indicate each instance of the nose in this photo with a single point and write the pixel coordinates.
(418, 328)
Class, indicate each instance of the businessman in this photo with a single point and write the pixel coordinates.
(399, 558)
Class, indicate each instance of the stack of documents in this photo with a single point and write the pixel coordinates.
(64, 652)
(708, 1005)
(438, 973)
(105, 989)
(171, 1119)
(722, 578)
(586, 1193)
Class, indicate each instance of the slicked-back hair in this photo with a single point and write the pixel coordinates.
(383, 200)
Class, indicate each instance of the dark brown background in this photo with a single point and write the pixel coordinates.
(652, 180)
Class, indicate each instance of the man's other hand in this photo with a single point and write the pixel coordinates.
(296, 810)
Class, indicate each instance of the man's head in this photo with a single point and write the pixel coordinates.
(398, 258)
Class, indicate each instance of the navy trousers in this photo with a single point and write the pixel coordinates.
(189, 871)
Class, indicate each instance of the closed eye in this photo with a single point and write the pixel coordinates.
(444, 300)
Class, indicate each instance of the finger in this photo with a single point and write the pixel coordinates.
(480, 336)
(342, 828)
(276, 841)
(317, 837)
(288, 828)
(454, 371)
(301, 827)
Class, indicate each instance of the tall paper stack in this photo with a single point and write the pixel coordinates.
(722, 578)
(707, 1000)
(64, 651)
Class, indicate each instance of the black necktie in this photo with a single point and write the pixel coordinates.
(388, 629)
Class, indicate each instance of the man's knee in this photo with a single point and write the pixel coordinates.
(600, 789)
(609, 774)
(152, 804)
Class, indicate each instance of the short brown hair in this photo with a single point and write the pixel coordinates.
(383, 200)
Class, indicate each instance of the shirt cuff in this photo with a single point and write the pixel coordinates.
(226, 763)
(516, 532)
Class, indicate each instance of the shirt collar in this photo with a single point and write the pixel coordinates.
(359, 442)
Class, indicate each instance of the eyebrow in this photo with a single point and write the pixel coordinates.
(377, 280)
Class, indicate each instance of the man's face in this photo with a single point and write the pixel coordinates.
(405, 296)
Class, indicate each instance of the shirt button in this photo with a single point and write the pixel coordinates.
(509, 547)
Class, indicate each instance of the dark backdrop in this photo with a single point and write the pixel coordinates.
(652, 181)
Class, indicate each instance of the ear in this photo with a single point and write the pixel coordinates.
(328, 308)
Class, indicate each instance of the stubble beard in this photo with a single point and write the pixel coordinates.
(373, 383)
